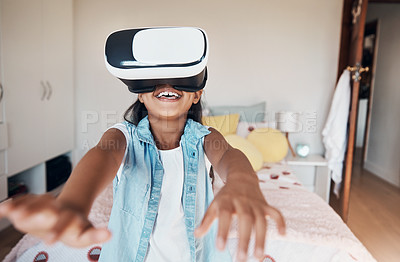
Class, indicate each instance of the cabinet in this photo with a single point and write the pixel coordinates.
(313, 172)
(37, 78)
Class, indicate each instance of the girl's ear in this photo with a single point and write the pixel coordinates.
(197, 96)
(140, 98)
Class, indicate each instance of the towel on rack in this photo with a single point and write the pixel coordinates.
(335, 130)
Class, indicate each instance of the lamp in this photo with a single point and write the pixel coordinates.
(288, 122)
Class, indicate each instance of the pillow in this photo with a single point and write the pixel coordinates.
(244, 128)
(271, 143)
(252, 153)
(254, 113)
(225, 124)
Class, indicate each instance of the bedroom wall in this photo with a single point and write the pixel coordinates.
(281, 52)
(384, 139)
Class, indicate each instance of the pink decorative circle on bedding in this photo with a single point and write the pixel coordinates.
(267, 258)
(41, 257)
(94, 254)
(274, 176)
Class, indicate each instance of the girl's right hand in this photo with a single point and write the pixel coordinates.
(43, 216)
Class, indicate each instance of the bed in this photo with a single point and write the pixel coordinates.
(314, 231)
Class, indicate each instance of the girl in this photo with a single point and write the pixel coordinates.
(163, 206)
(166, 122)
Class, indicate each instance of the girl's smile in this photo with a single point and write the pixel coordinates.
(168, 94)
(167, 102)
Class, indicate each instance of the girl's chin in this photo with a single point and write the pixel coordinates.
(168, 115)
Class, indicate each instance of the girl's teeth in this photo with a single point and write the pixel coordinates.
(168, 94)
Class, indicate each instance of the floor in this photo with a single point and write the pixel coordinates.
(374, 216)
(374, 213)
(8, 238)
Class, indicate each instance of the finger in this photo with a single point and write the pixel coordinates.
(207, 221)
(261, 229)
(224, 222)
(277, 216)
(35, 205)
(245, 222)
(70, 230)
(18, 207)
(21, 204)
(66, 220)
(5, 207)
(93, 235)
(37, 223)
(31, 213)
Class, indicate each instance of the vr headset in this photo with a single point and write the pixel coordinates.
(146, 57)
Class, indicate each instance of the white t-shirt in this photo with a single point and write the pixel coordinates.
(168, 241)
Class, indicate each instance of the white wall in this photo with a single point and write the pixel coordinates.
(361, 121)
(281, 52)
(384, 138)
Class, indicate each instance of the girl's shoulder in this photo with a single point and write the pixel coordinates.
(126, 128)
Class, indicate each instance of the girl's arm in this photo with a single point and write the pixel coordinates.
(241, 196)
(65, 218)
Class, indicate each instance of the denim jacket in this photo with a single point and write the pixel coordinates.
(137, 195)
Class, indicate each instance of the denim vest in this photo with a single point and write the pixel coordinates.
(137, 195)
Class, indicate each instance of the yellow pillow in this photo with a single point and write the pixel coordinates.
(225, 124)
(252, 153)
(271, 143)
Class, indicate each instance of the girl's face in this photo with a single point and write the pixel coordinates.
(167, 102)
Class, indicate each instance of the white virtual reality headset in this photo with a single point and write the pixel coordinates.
(145, 57)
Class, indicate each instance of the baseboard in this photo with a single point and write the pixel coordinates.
(380, 172)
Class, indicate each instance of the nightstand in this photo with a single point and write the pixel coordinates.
(319, 181)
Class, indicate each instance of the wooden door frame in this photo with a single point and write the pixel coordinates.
(346, 45)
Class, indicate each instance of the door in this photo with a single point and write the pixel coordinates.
(21, 30)
(353, 21)
(58, 75)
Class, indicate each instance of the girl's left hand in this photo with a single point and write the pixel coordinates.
(242, 198)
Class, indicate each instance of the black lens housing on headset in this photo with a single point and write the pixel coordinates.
(188, 84)
(145, 57)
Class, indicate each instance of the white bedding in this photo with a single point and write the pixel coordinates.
(314, 231)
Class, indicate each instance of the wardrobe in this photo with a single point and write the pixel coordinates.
(37, 89)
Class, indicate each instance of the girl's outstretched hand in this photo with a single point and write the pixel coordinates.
(242, 198)
(48, 219)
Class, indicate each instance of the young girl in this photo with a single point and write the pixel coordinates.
(163, 206)
(165, 130)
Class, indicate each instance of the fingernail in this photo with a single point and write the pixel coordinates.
(220, 243)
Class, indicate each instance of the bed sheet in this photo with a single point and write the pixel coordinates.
(314, 231)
